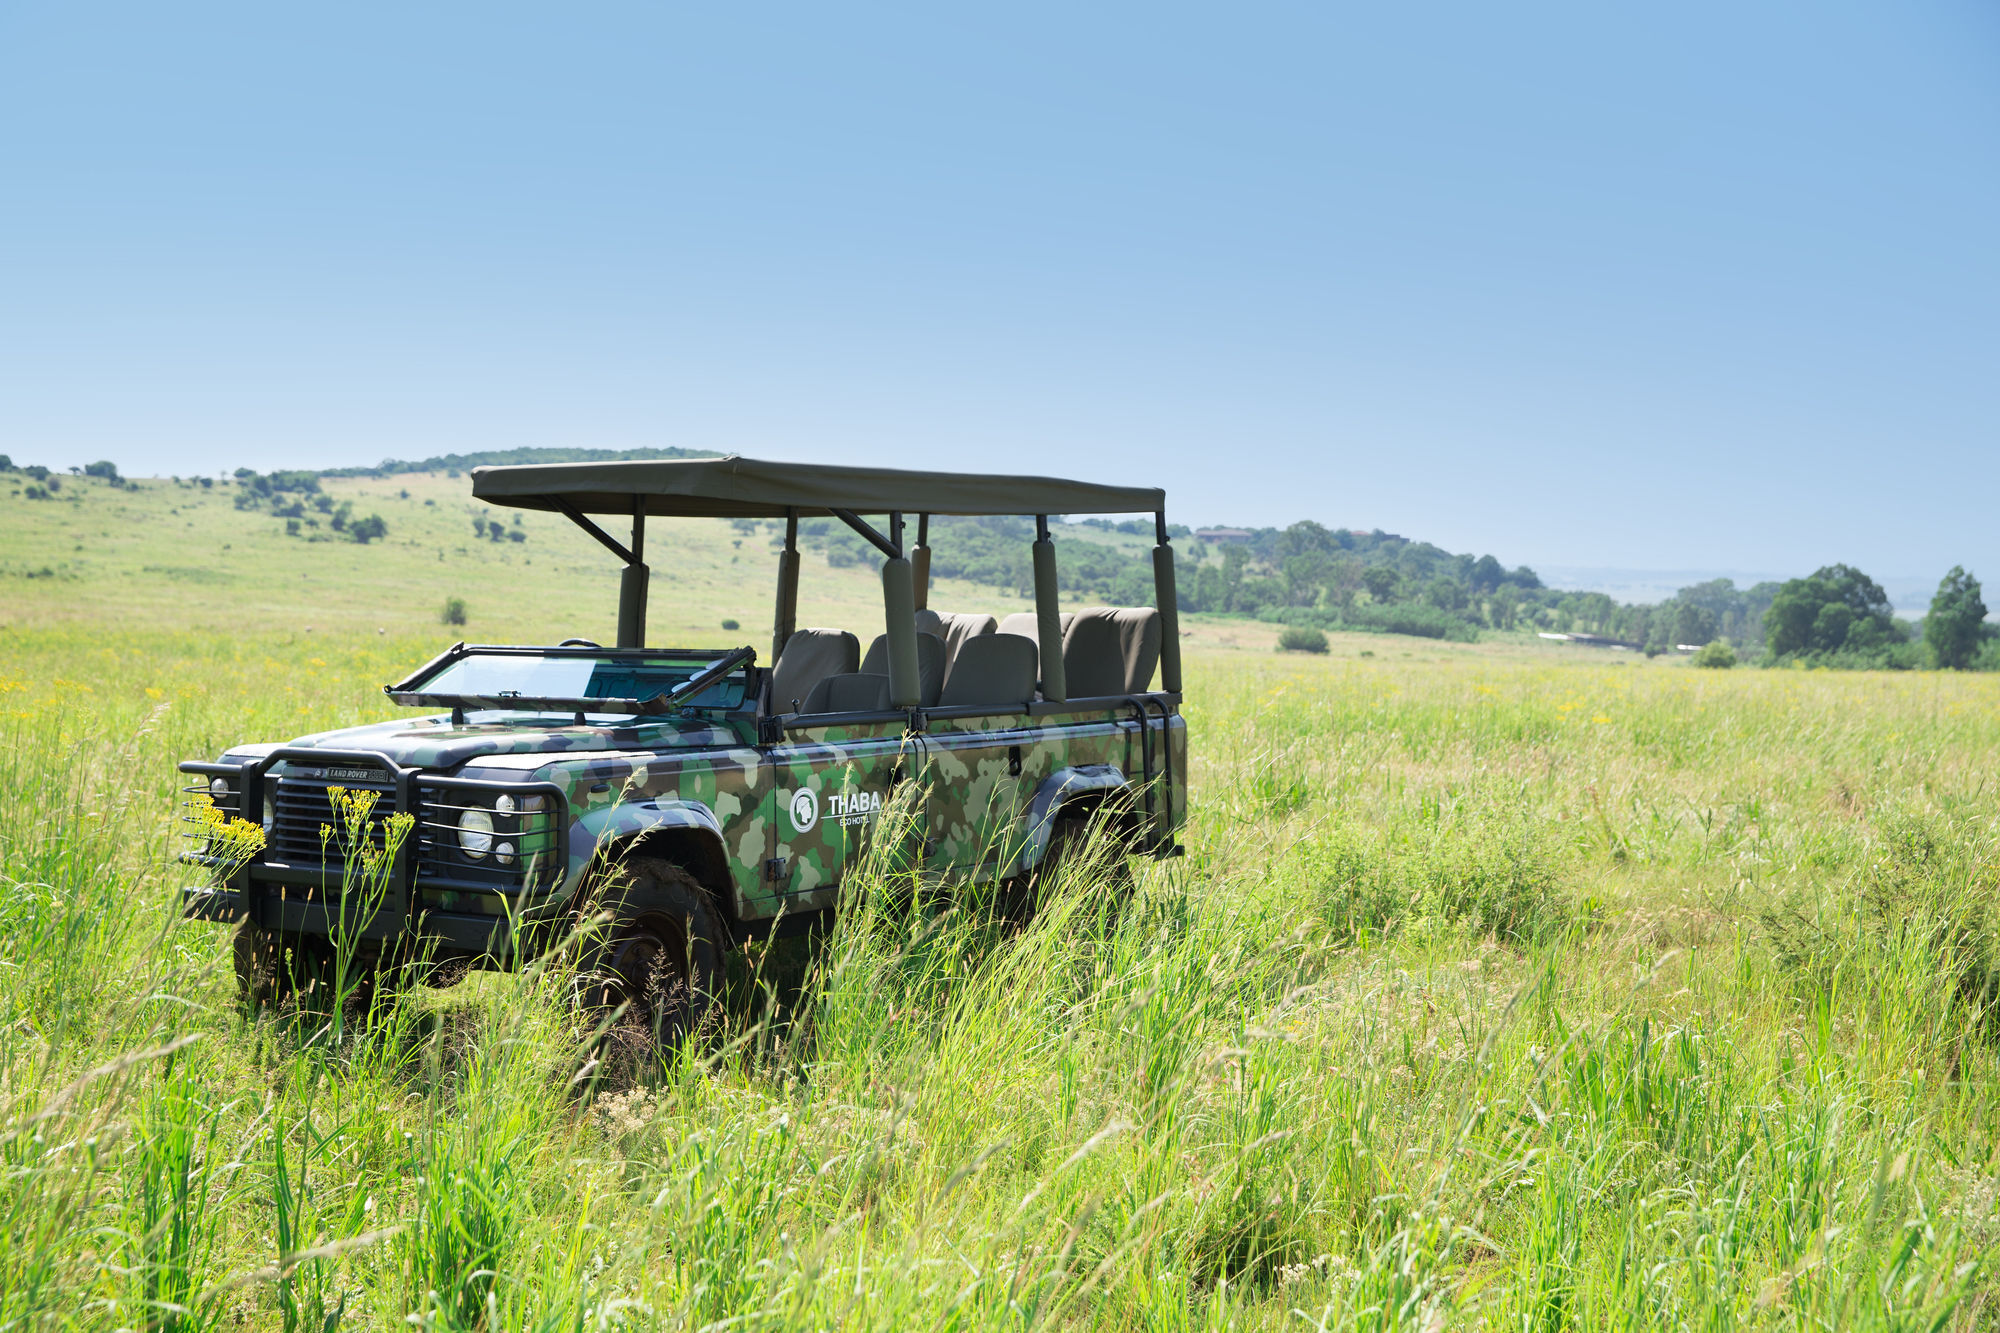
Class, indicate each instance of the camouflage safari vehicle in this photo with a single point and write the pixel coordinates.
(702, 798)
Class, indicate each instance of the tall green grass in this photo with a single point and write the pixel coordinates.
(1490, 995)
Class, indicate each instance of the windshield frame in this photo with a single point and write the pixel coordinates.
(721, 662)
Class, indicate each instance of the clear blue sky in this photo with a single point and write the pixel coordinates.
(1686, 286)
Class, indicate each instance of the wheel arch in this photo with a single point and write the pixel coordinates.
(1068, 793)
(685, 833)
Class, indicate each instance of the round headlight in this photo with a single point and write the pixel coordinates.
(475, 833)
(270, 814)
(504, 853)
(219, 788)
(504, 806)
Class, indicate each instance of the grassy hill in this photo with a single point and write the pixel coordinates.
(158, 554)
(183, 556)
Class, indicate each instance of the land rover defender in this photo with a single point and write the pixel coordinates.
(702, 798)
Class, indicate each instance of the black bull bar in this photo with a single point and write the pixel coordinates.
(292, 896)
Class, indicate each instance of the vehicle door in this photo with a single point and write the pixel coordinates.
(979, 774)
(834, 791)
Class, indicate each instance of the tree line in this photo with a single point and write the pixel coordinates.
(296, 497)
(1311, 576)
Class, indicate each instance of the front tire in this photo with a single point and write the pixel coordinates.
(661, 959)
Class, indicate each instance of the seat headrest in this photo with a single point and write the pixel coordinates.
(930, 665)
(810, 656)
(997, 669)
(1025, 624)
(1111, 650)
(954, 628)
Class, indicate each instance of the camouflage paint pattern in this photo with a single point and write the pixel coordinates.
(810, 804)
(832, 787)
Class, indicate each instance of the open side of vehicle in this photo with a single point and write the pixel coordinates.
(730, 799)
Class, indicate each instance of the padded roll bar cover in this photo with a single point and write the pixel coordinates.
(787, 617)
(632, 606)
(1048, 623)
(1168, 600)
(900, 611)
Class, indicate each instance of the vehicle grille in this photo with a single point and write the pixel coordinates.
(300, 806)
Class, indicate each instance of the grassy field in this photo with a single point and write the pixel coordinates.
(1501, 987)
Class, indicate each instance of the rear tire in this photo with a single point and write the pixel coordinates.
(661, 957)
(1068, 847)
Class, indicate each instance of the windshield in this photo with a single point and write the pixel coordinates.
(570, 675)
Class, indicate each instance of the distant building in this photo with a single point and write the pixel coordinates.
(1226, 536)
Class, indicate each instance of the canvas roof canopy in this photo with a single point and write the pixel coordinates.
(735, 487)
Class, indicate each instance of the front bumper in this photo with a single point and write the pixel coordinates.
(459, 932)
(428, 894)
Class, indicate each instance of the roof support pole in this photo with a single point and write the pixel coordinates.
(899, 607)
(1048, 615)
(787, 616)
(920, 561)
(891, 547)
(632, 584)
(1167, 599)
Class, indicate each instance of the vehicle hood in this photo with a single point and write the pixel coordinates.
(434, 743)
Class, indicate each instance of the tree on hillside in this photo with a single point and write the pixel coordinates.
(1838, 609)
(1306, 538)
(1693, 624)
(1738, 612)
(1956, 621)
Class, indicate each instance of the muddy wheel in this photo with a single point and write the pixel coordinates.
(660, 961)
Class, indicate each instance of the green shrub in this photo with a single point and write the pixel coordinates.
(1300, 639)
(730, 624)
(1415, 618)
(1715, 653)
(454, 611)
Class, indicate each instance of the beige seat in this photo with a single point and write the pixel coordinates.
(810, 656)
(856, 692)
(1111, 650)
(996, 669)
(930, 665)
(954, 628)
(1028, 627)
